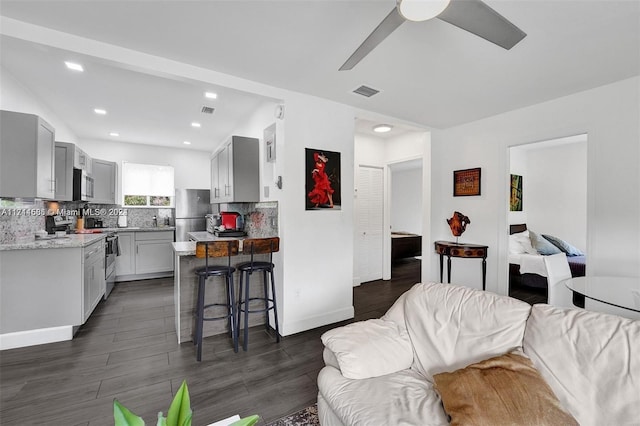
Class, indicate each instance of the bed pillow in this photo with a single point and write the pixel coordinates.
(501, 390)
(370, 348)
(563, 245)
(520, 243)
(542, 246)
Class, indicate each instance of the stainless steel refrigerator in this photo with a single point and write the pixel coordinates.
(191, 207)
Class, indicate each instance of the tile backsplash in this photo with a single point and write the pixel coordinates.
(261, 219)
(20, 219)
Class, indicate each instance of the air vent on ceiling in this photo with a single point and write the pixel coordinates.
(207, 109)
(366, 91)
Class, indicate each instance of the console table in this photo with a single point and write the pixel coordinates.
(468, 251)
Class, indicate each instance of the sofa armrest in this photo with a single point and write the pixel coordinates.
(369, 348)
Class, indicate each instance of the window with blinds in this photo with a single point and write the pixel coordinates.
(147, 185)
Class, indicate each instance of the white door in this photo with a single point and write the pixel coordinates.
(369, 224)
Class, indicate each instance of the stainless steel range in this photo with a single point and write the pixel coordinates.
(112, 249)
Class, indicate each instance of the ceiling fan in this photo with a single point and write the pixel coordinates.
(473, 16)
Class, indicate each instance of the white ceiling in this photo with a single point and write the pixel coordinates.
(430, 73)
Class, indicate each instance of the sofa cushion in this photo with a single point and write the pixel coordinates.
(590, 360)
(501, 390)
(370, 348)
(400, 399)
(452, 326)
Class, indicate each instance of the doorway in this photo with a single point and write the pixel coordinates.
(406, 217)
(552, 180)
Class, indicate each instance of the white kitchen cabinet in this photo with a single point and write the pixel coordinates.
(64, 153)
(93, 277)
(104, 181)
(47, 290)
(82, 161)
(27, 156)
(126, 262)
(144, 254)
(215, 179)
(235, 171)
(154, 252)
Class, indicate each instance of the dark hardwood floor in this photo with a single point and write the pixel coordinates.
(128, 350)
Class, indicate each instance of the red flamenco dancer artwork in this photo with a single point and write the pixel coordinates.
(322, 179)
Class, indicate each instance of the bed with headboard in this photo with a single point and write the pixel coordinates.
(526, 251)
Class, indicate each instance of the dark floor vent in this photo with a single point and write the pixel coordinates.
(366, 91)
(207, 110)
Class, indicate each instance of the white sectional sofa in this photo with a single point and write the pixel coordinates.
(386, 371)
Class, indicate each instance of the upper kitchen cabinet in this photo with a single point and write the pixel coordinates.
(64, 162)
(104, 181)
(82, 161)
(235, 172)
(26, 156)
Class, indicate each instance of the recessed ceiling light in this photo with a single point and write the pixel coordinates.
(100, 111)
(114, 134)
(186, 143)
(382, 128)
(73, 66)
(211, 95)
(194, 124)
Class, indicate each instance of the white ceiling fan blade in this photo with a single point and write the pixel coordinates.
(386, 27)
(480, 19)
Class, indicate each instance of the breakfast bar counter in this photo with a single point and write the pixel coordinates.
(186, 286)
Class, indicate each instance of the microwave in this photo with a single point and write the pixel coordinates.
(82, 185)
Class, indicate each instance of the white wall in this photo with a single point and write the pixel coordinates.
(318, 244)
(556, 192)
(406, 200)
(16, 97)
(192, 168)
(369, 150)
(609, 115)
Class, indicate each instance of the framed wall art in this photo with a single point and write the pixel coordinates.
(466, 182)
(322, 169)
(516, 193)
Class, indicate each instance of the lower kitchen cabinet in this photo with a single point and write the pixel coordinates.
(144, 254)
(126, 262)
(48, 292)
(94, 278)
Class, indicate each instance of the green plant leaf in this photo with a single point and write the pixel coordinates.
(247, 421)
(123, 417)
(180, 413)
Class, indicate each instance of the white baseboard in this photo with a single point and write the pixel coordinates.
(317, 321)
(20, 339)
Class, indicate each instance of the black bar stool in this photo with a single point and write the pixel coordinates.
(255, 246)
(207, 250)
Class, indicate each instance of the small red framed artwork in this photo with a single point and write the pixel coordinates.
(466, 182)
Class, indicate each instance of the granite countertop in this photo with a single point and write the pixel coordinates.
(140, 229)
(68, 241)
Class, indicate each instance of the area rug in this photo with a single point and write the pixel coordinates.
(305, 417)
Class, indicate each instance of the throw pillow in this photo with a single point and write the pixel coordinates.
(501, 390)
(370, 348)
(522, 243)
(563, 245)
(542, 246)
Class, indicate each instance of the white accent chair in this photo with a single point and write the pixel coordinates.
(557, 271)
